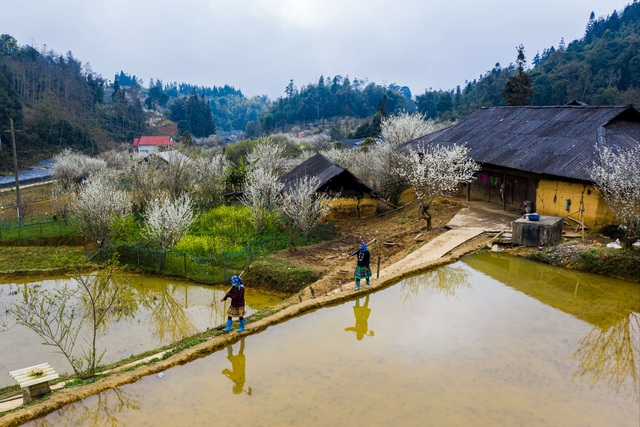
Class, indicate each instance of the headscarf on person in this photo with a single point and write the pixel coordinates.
(364, 246)
(237, 281)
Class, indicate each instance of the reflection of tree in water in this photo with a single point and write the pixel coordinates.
(612, 355)
(168, 317)
(446, 281)
(218, 313)
(123, 306)
(104, 412)
(361, 312)
(6, 321)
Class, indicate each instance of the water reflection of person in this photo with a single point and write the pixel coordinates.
(237, 372)
(362, 319)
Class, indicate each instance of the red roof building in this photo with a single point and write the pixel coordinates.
(151, 144)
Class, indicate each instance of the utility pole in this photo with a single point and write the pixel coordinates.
(15, 171)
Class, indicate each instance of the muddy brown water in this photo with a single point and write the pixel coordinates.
(489, 340)
(162, 311)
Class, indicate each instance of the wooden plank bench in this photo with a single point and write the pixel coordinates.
(34, 380)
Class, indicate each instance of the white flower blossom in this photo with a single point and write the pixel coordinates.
(303, 207)
(167, 220)
(436, 170)
(617, 177)
(261, 193)
(268, 155)
(71, 168)
(98, 201)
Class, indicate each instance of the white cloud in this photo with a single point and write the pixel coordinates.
(258, 45)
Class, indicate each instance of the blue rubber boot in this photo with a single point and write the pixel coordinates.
(357, 284)
(368, 283)
(229, 322)
(241, 328)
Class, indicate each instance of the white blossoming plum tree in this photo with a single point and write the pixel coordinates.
(437, 170)
(261, 193)
(97, 203)
(617, 178)
(167, 220)
(302, 207)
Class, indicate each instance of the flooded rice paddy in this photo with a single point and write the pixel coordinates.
(160, 311)
(489, 340)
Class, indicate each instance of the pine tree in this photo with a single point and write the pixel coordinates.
(517, 88)
(562, 46)
(588, 33)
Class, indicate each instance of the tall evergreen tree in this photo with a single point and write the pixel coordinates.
(517, 89)
(588, 33)
(199, 117)
(371, 128)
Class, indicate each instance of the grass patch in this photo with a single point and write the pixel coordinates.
(9, 391)
(40, 258)
(32, 193)
(77, 382)
(38, 228)
(611, 262)
(620, 263)
(279, 276)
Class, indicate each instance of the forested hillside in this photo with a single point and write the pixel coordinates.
(331, 98)
(57, 102)
(602, 68)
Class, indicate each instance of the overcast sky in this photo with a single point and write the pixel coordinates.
(257, 46)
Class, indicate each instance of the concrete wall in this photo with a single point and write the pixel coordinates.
(552, 195)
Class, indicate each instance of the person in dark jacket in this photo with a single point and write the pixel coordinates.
(363, 271)
(236, 309)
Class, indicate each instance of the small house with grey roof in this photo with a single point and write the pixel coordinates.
(355, 198)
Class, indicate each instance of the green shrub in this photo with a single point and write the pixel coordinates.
(226, 229)
(125, 230)
(208, 246)
(231, 221)
(611, 262)
(278, 276)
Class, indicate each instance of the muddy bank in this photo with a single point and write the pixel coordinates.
(591, 257)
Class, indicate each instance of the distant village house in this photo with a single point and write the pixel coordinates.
(146, 145)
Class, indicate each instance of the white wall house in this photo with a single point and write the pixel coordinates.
(146, 145)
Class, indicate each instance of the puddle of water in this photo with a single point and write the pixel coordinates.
(161, 311)
(454, 347)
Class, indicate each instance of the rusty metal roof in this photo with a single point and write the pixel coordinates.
(557, 140)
